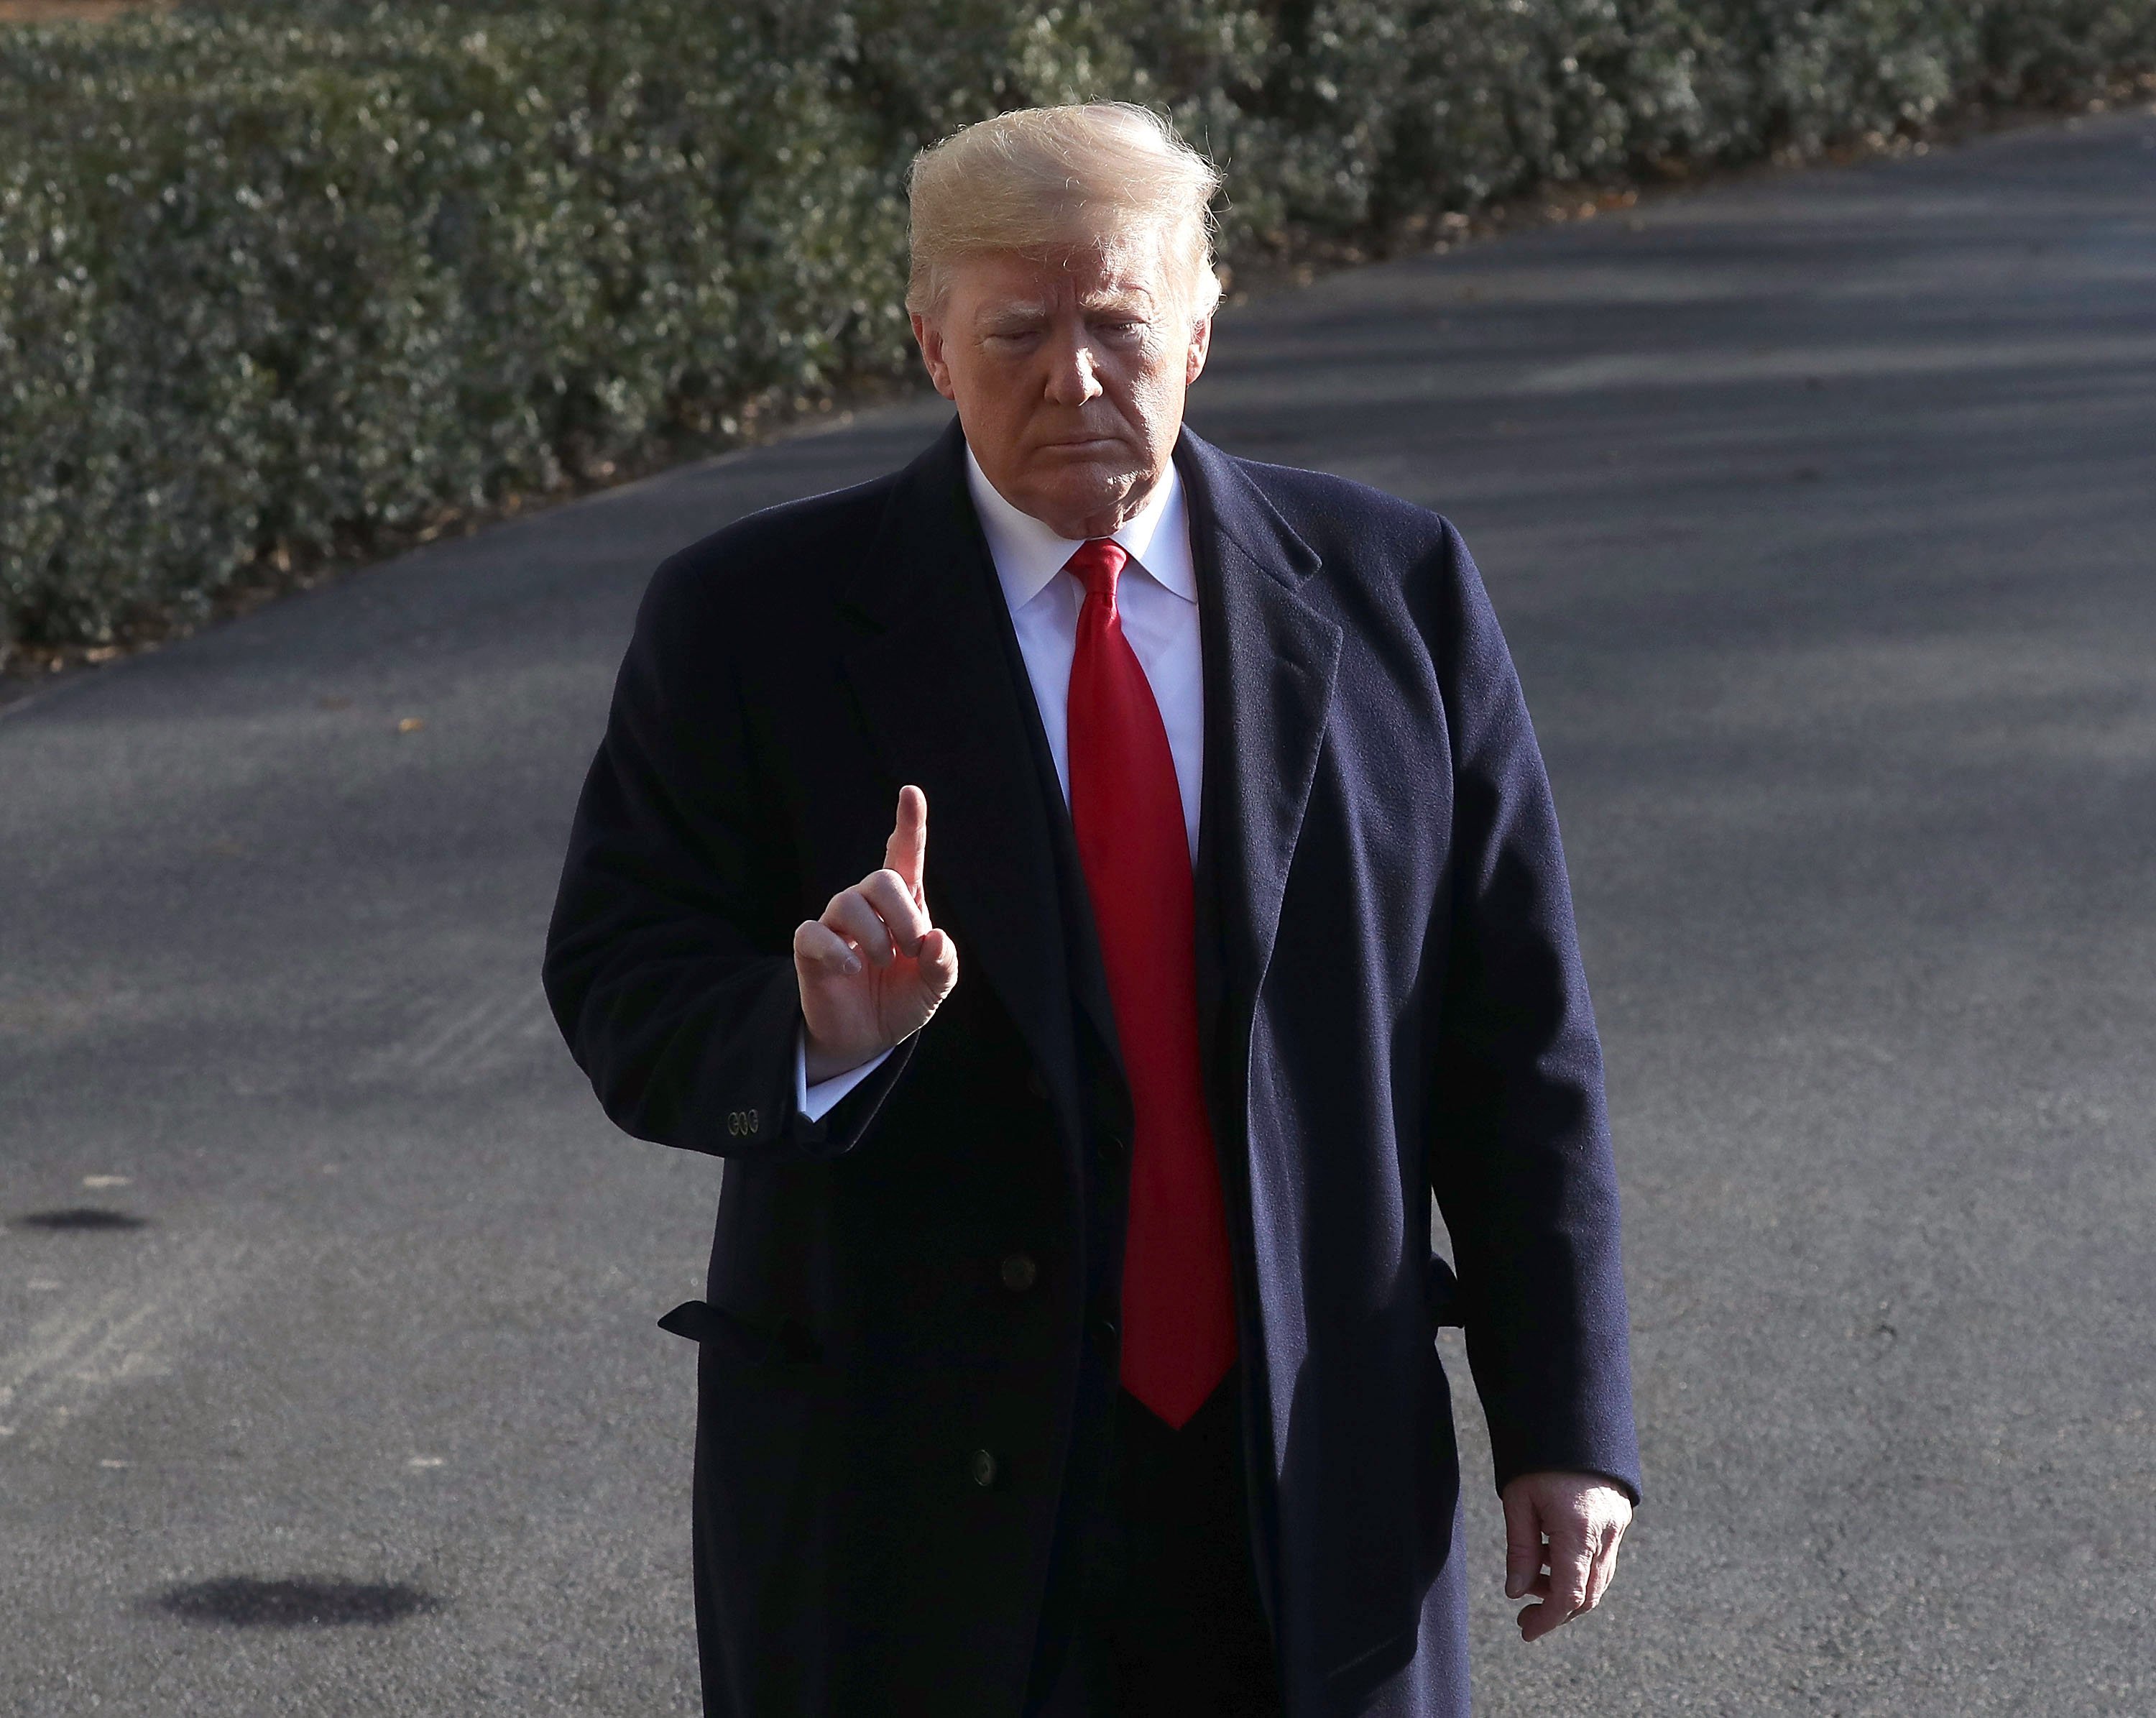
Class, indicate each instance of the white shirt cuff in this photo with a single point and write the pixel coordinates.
(817, 1101)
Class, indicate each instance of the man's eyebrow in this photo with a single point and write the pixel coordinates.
(1134, 299)
(1011, 311)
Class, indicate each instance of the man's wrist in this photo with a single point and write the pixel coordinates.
(820, 1063)
(818, 1099)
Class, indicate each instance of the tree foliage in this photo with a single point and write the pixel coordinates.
(298, 277)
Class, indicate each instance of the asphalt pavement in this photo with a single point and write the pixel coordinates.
(1821, 511)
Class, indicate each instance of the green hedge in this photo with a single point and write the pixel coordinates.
(300, 279)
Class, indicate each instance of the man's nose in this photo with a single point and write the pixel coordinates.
(1071, 379)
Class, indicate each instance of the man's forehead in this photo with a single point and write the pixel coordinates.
(1005, 282)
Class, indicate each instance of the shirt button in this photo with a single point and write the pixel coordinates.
(1020, 1272)
(981, 1466)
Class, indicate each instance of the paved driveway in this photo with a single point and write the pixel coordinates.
(1819, 509)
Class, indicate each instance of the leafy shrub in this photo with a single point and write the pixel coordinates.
(298, 279)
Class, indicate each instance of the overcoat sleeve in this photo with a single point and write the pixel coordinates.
(669, 962)
(1519, 1146)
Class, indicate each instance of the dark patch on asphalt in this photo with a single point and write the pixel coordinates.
(80, 1217)
(243, 1602)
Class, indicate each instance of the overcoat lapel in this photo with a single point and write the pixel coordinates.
(1270, 657)
(930, 669)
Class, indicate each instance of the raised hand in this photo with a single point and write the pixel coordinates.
(1583, 1516)
(874, 968)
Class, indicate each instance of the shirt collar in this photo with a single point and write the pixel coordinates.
(1028, 554)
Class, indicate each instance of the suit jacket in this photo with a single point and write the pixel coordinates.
(908, 1342)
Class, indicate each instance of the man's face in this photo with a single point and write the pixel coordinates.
(1068, 373)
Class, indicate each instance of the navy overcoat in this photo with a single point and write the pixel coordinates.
(908, 1338)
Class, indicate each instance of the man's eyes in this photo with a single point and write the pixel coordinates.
(1121, 327)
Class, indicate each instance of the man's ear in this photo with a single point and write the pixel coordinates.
(1201, 344)
(928, 335)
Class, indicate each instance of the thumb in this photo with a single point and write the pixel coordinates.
(906, 851)
(1523, 1543)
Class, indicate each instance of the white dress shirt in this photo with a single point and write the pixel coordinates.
(1157, 601)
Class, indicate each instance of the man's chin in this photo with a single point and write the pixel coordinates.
(1087, 447)
(1082, 488)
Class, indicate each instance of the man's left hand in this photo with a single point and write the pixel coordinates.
(1581, 1516)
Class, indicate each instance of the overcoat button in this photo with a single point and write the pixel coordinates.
(1035, 1084)
(1108, 1332)
(1020, 1273)
(981, 1466)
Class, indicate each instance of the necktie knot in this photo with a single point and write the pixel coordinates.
(1097, 564)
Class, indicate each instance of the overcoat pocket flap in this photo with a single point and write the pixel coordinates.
(761, 1341)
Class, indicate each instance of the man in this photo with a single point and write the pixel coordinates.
(1068, 1345)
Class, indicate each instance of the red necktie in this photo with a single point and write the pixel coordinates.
(1179, 1294)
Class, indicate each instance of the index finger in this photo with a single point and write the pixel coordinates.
(908, 850)
(1571, 1558)
(1605, 1568)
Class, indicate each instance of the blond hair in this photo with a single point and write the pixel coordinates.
(1107, 175)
